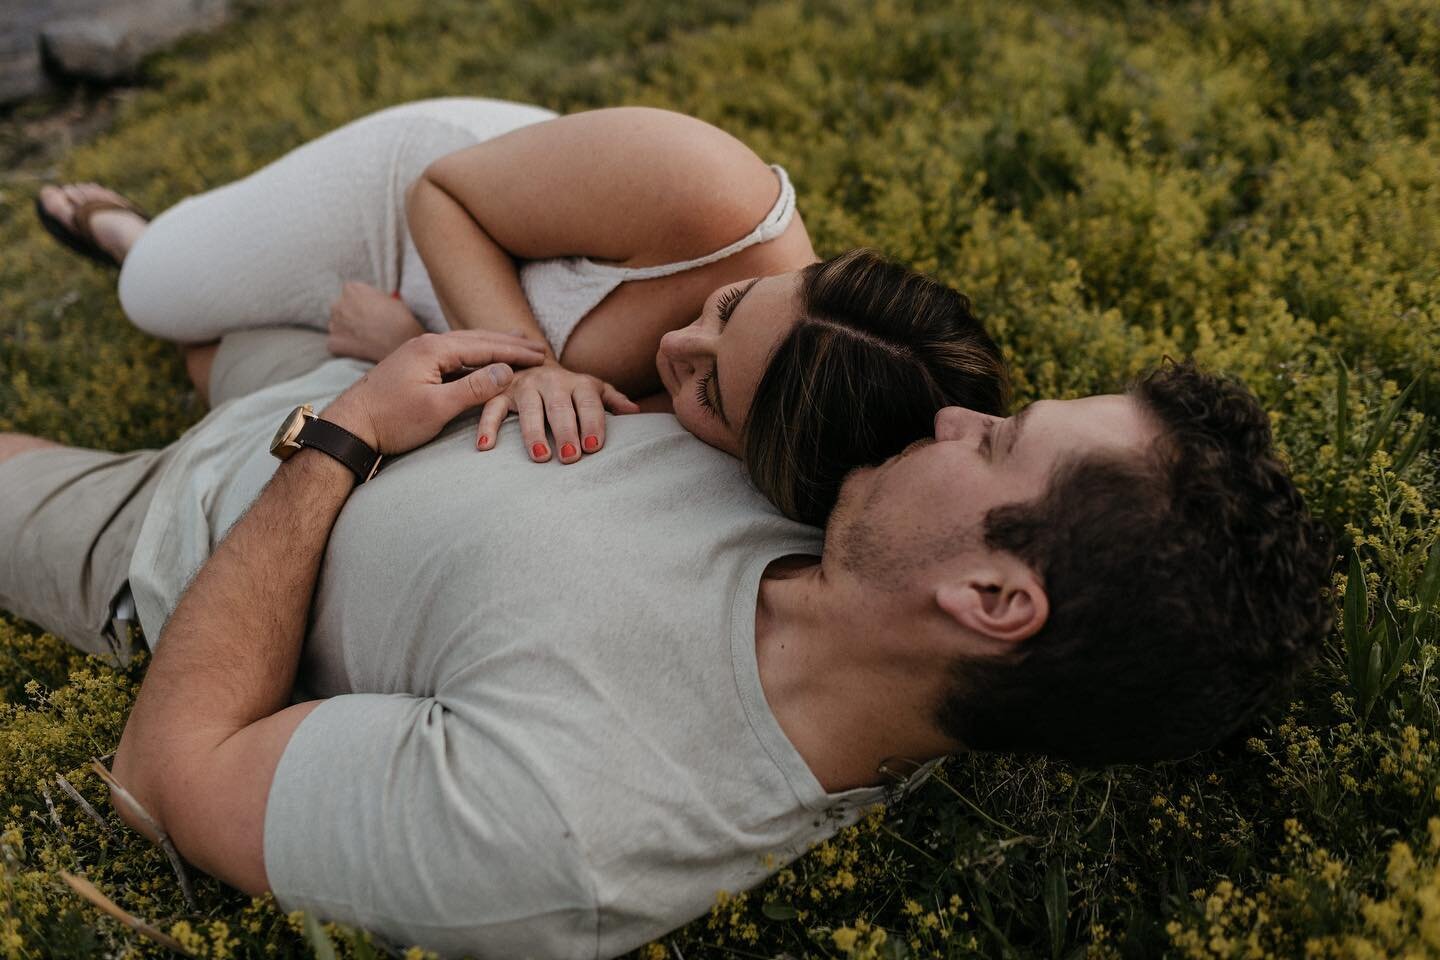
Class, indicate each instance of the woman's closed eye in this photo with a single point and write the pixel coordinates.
(702, 391)
(727, 302)
(703, 388)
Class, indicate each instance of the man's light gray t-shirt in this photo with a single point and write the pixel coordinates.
(546, 734)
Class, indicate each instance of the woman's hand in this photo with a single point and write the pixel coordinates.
(369, 324)
(574, 403)
(407, 399)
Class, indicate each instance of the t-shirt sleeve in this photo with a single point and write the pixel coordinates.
(390, 812)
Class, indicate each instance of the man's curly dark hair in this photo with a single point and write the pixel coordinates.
(1186, 590)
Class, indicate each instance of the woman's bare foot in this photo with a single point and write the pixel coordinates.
(115, 230)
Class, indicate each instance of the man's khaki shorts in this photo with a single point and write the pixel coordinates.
(70, 518)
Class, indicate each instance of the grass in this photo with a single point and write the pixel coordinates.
(1256, 182)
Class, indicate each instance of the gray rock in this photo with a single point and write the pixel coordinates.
(110, 43)
(98, 39)
(22, 72)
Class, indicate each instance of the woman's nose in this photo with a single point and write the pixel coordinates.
(687, 345)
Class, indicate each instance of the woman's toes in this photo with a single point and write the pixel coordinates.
(115, 230)
(57, 203)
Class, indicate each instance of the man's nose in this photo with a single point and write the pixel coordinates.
(957, 423)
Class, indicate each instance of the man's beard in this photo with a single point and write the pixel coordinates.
(883, 549)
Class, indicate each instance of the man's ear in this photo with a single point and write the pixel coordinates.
(1003, 601)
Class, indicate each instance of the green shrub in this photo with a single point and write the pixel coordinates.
(1255, 182)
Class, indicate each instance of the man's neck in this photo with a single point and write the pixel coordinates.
(855, 719)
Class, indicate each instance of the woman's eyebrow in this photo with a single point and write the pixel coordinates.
(724, 319)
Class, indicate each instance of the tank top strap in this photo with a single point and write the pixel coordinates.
(562, 291)
(771, 227)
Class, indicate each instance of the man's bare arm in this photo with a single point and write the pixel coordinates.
(211, 722)
(226, 661)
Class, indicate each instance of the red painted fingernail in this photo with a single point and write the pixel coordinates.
(591, 443)
(567, 451)
(395, 295)
(484, 440)
(539, 451)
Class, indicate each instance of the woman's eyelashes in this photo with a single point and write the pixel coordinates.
(723, 308)
(702, 391)
(729, 299)
(727, 302)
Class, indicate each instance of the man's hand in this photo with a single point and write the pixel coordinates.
(406, 400)
(369, 324)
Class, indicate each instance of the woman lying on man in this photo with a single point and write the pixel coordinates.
(655, 256)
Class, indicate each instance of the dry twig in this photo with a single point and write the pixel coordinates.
(83, 803)
(164, 839)
(88, 890)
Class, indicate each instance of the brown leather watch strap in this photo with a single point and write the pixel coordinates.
(341, 444)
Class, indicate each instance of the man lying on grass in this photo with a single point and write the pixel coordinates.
(494, 708)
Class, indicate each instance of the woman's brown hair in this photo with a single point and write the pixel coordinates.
(878, 349)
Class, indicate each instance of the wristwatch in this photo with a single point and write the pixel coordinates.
(303, 429)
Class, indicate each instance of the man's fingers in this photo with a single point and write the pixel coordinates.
(476, 348)
(532, 424)
(517, 332)
(479, 387)
(490, 420)
(487, 336)
(560, 411)
(617, 402)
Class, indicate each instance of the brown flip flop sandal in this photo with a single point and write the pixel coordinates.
(80, 238)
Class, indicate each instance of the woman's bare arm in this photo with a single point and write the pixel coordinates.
(631, 185)
(474, 278)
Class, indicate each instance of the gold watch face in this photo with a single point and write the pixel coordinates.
(284, 445)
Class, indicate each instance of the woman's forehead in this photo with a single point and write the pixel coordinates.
(758, 323)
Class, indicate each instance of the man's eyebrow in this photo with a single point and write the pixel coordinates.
(1017, 423)
(724, 319)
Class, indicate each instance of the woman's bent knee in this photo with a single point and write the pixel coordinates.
(155, 292)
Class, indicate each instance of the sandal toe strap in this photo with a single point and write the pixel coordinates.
(88, 209)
